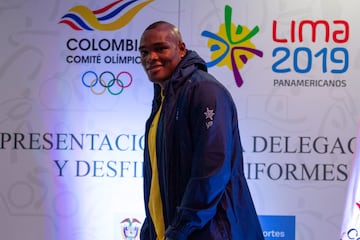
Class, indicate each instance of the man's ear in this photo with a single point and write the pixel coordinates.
(182, 48)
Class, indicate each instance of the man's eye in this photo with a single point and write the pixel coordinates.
(160, 49)
(143, 53)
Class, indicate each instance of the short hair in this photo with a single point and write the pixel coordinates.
(168, 26)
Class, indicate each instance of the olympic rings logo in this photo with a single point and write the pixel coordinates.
(108, 81)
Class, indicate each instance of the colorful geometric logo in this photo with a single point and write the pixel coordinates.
(109, 18)
(231, 46)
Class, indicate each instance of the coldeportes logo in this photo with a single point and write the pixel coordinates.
(231, 46)
(107, 80)
(130, 229)
(109, 18)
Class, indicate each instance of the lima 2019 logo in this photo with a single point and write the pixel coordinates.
(297, 51)
(231, 46)
(109, 18)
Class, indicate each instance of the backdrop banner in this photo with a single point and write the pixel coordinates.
(74, 101)
(351, 218)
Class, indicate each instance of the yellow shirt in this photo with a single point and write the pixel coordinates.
(155, 203)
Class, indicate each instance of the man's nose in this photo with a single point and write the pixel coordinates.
(153, 55)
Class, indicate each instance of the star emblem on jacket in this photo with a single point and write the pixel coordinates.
(209, 114)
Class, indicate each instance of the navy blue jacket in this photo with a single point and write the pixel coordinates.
(204, 192)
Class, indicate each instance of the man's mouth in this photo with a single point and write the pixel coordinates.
(154, 68)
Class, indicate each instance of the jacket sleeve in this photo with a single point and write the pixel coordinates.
(212, 122)
(144, 231)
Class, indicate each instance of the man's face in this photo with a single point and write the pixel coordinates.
(160, 54)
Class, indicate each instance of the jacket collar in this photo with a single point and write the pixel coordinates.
(191, 62)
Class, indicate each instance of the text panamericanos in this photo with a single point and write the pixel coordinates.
(309, 83)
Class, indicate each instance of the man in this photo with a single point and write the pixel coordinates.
(194, 187)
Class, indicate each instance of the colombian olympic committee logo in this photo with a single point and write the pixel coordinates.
(106, 81)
